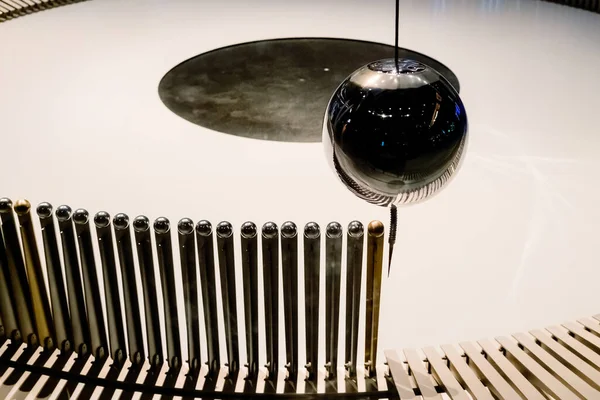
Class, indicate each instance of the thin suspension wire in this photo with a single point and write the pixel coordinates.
(397, 34)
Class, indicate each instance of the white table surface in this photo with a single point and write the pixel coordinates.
(512, 243)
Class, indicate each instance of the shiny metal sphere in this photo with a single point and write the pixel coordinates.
(269, 230)
(395, 134)
(44, 210)
(224, 229)
(312, 230)
(185, 226)
(162, 225)
(81, 216)
(63, 213)
(102, 219)
(334, 230)
(6, 205)
(248, 230)
(356, 229)
(204, 228)
(289, 230)
(121, 221)
(22, 207)
(141, 223)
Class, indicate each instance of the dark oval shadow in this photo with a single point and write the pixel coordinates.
(272, 89)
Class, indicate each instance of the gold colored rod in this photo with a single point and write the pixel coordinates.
(374, 270)
(33, 264)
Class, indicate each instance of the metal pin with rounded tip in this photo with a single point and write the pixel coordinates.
(116, 331)
(164, 250)
(249, 242)
(289, 266)
(312, 273)
(206, 263)
(8, 320)
(375, 234)
(16, 273)
(39, 296)
(228, 293)
(141, 227)
(79, 321)
(58, 295)
(130, 294)
(270, 257)
(187, 253)
(333, 268)
(354, 259)
(99, 342)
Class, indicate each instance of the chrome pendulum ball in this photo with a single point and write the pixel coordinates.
(395, 132)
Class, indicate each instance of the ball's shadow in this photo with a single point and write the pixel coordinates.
(272, 89)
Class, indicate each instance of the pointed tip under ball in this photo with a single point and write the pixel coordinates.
(392, 238)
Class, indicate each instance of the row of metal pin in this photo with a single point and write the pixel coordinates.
(15, 8)
(73, 321)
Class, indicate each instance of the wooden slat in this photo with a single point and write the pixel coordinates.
(519, 382)
(400, 375)
(543, 377)
(495, 381)
(575, 345)
(441, 371)
(588, 338)
(424, 381)
(564, 374)
(465, 375)
(562, 353)
(591, 324)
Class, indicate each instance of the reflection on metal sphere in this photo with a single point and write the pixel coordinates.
(395, 133)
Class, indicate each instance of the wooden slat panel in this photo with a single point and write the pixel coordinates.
(465, 375)
(497, 383)
(400, 376)
(519, 382)
(579, 348)
(439, 368)
(562, 353)
(545, 379)
(564, 374)
(424, 381)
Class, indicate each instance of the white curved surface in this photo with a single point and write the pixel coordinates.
(510, 245)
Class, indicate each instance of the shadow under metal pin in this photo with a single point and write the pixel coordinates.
(130, 294)
(116, 331)
(206, 263)
(354, 259)
(373, 294)
(99, 341)
(58, 295)
(164, 249)
(17, 276)
(249, 246)
(141, 226)
(90, 283)
(7, 309)
(79, 326)
(228, 291)
(312, 266)
(333, 269)
(77, 305)
(187, 253)
(39, 297)
(270, 257)
(135, 341)
(289, 267)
